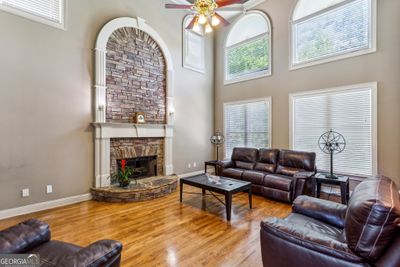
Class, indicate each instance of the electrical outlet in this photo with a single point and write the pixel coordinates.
(194, 164)
(25, 192)
(189, 165)
(49, 189)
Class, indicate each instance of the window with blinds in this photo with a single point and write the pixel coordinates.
(247, 51)
(50, 12)
(350, 111)
(331, 29)
(247, 124)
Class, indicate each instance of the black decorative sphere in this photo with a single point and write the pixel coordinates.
(332, 142)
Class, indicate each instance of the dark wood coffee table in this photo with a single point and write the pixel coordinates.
(225, 186)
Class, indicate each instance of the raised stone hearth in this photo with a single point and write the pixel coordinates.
(144, 189)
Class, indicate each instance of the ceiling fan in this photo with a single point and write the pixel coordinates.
(205, 13)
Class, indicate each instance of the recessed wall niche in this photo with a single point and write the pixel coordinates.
(135, 77)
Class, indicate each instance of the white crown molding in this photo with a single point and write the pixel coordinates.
(43, 206)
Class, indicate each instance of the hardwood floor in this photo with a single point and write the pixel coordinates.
(164, 232)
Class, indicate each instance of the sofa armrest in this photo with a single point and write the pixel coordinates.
(273, 229)
(225, 163)
(100, 253)
(320, 209)
(303, 175)
(24, 236)
(302, 184)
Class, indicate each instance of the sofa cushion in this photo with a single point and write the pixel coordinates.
(315, 225)
(254, 177)
(233, 173)
(267, 160)
(244, 165)
(278, 181)
(291, 162)
(276, 194)
(265, 167)
(372, 217)
(244, 154)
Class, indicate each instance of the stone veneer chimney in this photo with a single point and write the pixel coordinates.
(133, 73)
(135, 77)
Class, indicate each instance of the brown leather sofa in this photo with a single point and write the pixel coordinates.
(324, 233)
(33, 237)
(274, 173)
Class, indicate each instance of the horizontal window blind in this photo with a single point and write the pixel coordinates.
(349, 112)
(51, 10)
(248, 57)
(335, 32)
(247, 125)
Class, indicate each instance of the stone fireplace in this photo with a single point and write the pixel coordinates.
(133, 73)
(142, 167)
(144, 155)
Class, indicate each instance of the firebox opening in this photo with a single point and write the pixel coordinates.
(142, 166)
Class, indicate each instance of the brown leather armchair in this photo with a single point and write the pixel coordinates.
(33, 237)
(324, 233)
(278, 174)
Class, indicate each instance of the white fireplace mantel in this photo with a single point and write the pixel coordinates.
(130, 130)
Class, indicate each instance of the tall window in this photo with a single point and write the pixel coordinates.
(327, 30)
(49, 12)
(350, 111)
(247, 124)
(248, 48)
(193, 48)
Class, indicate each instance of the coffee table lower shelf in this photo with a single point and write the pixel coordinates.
(226, 186)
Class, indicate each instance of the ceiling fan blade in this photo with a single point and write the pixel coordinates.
(222, 3)
(223, 21)
(178, 6)
(191, 24)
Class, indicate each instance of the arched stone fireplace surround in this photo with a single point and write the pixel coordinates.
(106, 131)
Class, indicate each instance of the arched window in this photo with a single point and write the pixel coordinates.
(327, 30)
(193, 48)
(248, 48)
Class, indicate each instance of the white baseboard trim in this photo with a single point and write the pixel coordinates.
(184, 175)
(43, 206)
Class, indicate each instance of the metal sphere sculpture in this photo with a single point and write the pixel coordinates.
(217, 139)
(331, 143)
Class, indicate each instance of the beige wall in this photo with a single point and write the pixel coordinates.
(382, 66)
(46, 99)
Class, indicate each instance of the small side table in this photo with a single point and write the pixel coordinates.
(210, 163)
(343, 181)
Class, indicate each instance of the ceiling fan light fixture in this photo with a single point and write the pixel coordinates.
(202, 19)
(208, 28)
(196, 27)
(215, 21)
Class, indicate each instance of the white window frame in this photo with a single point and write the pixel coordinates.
(247, 101)
(374, 114)
(38, 18)
(255, 75)
(185, 62)
(372, 47)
